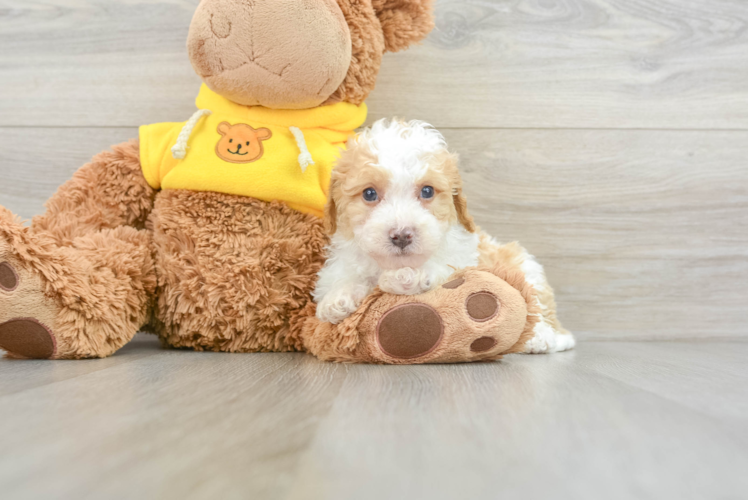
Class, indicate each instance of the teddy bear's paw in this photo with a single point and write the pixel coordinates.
(27, 316)
(475, 317)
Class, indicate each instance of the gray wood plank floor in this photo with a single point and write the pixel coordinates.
(609, 420)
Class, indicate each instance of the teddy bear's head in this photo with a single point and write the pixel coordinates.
(298, 54)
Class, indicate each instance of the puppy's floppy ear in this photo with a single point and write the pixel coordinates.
(462, 212)
(331, 208)
(404, 22)
(450, 164)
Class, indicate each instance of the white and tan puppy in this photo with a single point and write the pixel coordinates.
(398, 219)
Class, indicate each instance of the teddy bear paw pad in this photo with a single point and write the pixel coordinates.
(410, 331)
(27, 338)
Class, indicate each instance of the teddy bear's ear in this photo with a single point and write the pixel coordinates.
(404, 22)
(224, 127)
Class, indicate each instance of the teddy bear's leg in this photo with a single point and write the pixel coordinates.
(478, 315)
(78, 283)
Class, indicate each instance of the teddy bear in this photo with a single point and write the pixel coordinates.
(209, 233)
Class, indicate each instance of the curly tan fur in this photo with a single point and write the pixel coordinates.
(404, 22)
(234, 272)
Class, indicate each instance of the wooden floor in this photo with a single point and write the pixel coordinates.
(610, 137)
(610, 420)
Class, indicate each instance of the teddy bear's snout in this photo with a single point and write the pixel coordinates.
(243, 50)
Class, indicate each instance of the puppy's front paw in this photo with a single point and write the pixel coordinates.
(336, 307)
(428, 281)
(403, 281)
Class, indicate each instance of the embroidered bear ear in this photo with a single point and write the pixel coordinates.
(263, 134)
(404, 22)
(224, 128)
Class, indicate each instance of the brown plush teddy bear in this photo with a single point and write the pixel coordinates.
(209, 233)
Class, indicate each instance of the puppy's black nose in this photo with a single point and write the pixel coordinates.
(239, 147)
(401, 238)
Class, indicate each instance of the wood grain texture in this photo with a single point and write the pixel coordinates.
(644, 234)
(615, 420)
(501, 63)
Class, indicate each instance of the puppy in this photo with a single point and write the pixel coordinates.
(398, 219)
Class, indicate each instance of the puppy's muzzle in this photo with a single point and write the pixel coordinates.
(401, 238)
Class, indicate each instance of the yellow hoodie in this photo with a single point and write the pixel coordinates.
(268, 154)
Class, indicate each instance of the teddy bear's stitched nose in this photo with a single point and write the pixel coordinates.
(239, 147)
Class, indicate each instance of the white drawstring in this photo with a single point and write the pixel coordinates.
(305, 158)
(179, 151)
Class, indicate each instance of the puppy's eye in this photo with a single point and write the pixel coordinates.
(370, 194)
(247, 143)
(427, 193)
(231, 140)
